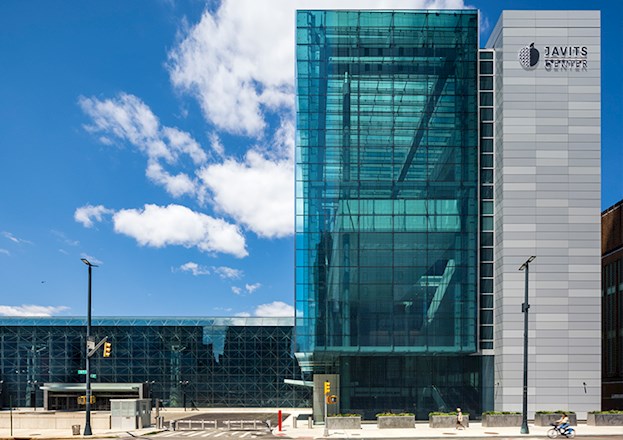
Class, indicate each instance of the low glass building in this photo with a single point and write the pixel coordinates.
(205, 362)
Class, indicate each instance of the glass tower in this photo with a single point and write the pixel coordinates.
(387, 207)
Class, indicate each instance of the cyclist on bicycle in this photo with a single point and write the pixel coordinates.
(563, 422)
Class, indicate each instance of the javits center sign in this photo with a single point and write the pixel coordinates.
(554, 58)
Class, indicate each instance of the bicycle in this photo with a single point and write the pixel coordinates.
(568, 432)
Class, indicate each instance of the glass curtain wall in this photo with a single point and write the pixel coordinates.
(386, 195)
(210, 362)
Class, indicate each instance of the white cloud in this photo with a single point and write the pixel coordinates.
(177, 185)
(4, 251)
(276, 308)
(243, 314)
(236, 290)
(89, 213)
(238, 61)
(194, 268)
(31, 310)
(129, 119)
(228, 272)
(258, 193)
(159, 226)
(252, 287)
(15, 239)
(217, 145)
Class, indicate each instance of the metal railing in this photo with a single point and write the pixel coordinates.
(239, 425)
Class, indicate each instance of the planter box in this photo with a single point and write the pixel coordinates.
(343, 422)
(446, 421)
(395, 422)
(604, 419)
(548, 419)
(499, 420)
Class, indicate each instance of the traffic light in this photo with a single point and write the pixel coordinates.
(107, 348)
(82, 400)
(327, 387)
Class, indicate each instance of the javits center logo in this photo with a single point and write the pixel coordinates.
(529, 57)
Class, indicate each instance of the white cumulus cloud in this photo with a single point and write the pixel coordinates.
(258, 193)
(236, 290)
(274, 309)
(129, 119)
(87, 214)
(31, 310)
(159, 226)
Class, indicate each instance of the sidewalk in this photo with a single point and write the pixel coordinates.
(367, 431)
(24, 433)
(422, 430)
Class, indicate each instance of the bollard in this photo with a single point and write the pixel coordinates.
(294, 421)
(310, 422)
(280, 415)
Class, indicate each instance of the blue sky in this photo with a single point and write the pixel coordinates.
(155, 138)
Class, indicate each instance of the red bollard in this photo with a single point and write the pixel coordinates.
(279, 420)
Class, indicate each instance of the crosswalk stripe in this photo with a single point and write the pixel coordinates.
(208, 433)
(244, 434)
(168, 434)
(220, 434)
(195, 434)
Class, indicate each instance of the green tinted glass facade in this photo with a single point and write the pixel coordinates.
(387, 204)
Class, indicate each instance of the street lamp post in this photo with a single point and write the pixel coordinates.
(524, 308)
(89, 346)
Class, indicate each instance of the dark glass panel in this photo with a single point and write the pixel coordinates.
(486, 67)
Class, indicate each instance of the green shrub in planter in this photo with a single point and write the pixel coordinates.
(438, 419)
(344, 421)
(605, 418)
(495, 419)
(395, 421)
(546, 418)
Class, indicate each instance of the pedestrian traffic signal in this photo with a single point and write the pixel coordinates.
(107, 348)
(327, 387)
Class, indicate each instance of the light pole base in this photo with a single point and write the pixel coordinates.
(524, 428)
(87, 430)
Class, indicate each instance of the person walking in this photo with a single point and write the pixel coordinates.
(459, 419)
